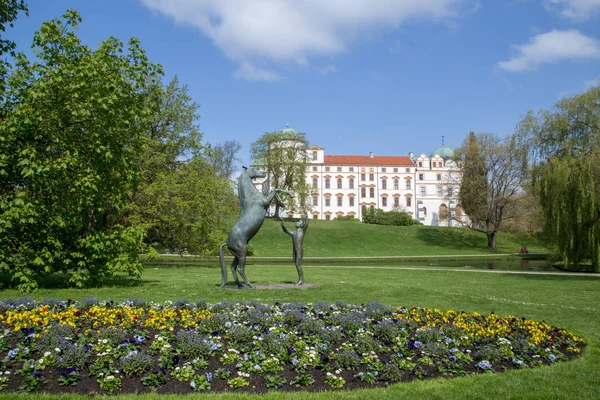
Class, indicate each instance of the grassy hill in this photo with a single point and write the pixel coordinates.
(355, 239)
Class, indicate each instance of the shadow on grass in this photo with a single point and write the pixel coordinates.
(452, 238)
(60, 281)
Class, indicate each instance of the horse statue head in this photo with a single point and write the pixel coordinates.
(252, 172)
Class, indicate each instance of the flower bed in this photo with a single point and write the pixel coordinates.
(98, 347)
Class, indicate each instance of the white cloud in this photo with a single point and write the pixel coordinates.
(551, 47)
(250, 72)
(576, 10)
(290, 31)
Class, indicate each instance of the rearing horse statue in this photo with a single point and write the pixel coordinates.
(253, 209)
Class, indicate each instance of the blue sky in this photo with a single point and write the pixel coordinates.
(387, 76)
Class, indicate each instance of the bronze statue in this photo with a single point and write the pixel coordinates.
(297, 240)
(253, 209)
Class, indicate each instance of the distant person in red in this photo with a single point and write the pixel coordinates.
(524, 250)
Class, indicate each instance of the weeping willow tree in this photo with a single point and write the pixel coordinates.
(567, 174)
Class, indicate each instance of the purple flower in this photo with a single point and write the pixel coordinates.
(452, 358)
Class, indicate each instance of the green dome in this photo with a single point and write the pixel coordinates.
(444, 151)
(287, 129)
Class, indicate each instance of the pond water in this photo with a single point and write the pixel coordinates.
(503, 265)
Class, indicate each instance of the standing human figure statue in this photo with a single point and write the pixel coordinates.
(253, 209)
(297, 241)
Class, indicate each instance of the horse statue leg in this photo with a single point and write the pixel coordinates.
(223, 267)
(242, 272)
(234, 270)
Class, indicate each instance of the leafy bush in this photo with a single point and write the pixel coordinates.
(380, 217)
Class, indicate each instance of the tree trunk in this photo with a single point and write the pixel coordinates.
(491, 236)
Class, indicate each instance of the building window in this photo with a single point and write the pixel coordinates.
(351, 201)
(439, 177)
(315, 216)
(395, 169)
(383, 169)
(408, 184)
(314, 182)
(439, 191)
(395, 184)
(326, 168)
(339, 169)
(396, 202)
(339, 183)
(314, 155)
(363, 192)
(327, 201)
(351, 183)
(372, 208)
(327, 217)
(449, 191)
(434, 164)
(371, 177)
(339, 201)
(315, 201)
(420, 164)
(327, 183)
(423, 189)
(425, 211)
(408, 202)
(362, 177)
(407, 170)
(421, 177)
(351, 169)
(315, 169)
(384, 184)
(384, 201)
(372, 192)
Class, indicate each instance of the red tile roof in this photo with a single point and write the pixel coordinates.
(367, 160)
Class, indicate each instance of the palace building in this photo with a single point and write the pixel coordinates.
(426, 187)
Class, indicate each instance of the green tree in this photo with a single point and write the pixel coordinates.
(72, 130)
(223, 156)
(492, 183)
(473, 185)
(181, 201)
(173, 133)
(566, 142)
(9, 9)
(188, 208)
(284, 158)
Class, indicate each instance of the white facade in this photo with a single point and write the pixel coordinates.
(348, 185)
(424, 187)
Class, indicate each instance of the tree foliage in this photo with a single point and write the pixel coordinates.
(474, 184)
(187, 208)
(283, 155)
(393, 217)
(9, 9)
(181, 201)
(223, 157)
(494, 174)
(72, 130)
(566, 140)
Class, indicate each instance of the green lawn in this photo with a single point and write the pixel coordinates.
(343, 238)
(564, 301)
